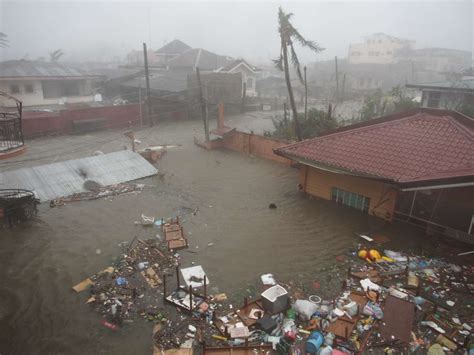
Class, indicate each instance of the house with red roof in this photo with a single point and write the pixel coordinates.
(416, 166)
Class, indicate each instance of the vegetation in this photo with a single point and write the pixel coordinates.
(317, 123)
(289, 34)
(378, 104)
(54, 56)
(3, 40)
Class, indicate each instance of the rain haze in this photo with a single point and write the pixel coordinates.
(107, 30)
(236, 177)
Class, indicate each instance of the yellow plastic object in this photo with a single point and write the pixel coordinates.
(362, 254)
(386, 258)
(218, 337)
(374, 255)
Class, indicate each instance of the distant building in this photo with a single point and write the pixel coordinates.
(378, 48)
(198, 57)
(38, 83)
(415, 166)
(249, 75)
(441, 60)
(451, 95)
(170, 51)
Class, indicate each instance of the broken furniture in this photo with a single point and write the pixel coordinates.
(174, 234)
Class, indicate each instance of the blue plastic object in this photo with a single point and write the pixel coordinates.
(314, 342)
(121, 281)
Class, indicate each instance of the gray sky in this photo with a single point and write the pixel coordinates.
(100, 30)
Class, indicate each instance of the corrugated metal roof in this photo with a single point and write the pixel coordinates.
(27, 68)
(66, 178)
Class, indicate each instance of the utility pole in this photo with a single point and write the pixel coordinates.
(244, 95)
(305, 96)
(203, 105)
(337, 80)
(140, 100)
(147, 76)
(343, 90)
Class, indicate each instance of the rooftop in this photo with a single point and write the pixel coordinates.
(198, 57)
(410, 148)
(232, 65)
(39, 69)
(161, 81)
(464, 85)
(174, 47)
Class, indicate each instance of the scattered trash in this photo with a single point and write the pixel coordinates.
(268, 279)
(96, 191)
(272, 206)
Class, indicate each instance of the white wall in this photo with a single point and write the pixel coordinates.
(375, 50)
(36, 97)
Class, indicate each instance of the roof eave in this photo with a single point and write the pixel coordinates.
(334, 169)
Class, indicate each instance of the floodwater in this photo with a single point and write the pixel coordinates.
(41, 260)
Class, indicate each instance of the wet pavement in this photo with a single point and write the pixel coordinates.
(40, 261)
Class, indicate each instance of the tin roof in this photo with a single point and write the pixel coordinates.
(409, 148)
(464, 85)
(39, 69)
(66, 178)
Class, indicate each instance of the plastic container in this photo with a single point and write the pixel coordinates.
(314, 342)
(275, 299)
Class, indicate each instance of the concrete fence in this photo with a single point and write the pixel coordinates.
(36, 124)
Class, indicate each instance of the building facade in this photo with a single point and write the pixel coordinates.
(378, 48)
(411, 166)
(38, 83)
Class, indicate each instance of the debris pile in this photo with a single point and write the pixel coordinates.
(389, 302)
(98, 192)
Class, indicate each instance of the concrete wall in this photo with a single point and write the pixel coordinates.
(259, 146)
(46, 123)
(319, 183)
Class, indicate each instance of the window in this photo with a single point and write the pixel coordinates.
(373, 53)
(355, 53)
(14, 88)
(434, 98)
(350, 199)
(29, 88)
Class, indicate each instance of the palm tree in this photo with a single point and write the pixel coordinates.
(54, 56)
(289, 34)
(3, 40)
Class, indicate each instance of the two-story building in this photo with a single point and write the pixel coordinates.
(378, 48)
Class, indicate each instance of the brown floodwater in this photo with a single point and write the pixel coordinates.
(41, 260)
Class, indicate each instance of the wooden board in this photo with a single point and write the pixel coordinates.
(398, 318)
(342, 327)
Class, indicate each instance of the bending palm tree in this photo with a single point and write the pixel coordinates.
(3, 40)
(54, 56)
(288, 34)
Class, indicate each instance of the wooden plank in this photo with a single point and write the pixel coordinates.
(398, 319)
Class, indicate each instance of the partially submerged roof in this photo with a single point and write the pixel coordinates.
(66, 178)
(14, 69)
(413, 148)
(174, 47)
(464, 85)
(198, 57)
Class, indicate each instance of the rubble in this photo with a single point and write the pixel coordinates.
(98, 192)
(390, 302)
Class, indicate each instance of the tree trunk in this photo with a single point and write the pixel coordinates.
(290, 92)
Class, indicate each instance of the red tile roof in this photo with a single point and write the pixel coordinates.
(421, 145)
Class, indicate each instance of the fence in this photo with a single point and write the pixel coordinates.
(62, 122)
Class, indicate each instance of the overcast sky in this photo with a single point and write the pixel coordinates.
(102, 30)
